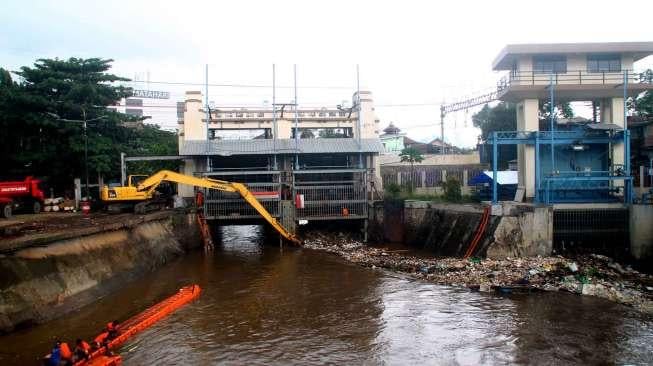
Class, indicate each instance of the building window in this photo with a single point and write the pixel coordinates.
(550, 64)
(604, 63)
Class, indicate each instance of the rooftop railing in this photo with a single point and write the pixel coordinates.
(568, 77)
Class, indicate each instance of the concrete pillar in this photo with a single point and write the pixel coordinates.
(612, 111)
(617, 110)
(527, 120)
(189, 167)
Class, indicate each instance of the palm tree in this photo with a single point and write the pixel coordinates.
(411, 155)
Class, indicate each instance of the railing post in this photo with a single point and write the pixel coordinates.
(580, 77)
(494, 167)
(537, 167)
(533, 77)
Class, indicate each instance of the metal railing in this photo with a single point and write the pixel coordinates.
(265, 185)
(570, 77)
(337, 195)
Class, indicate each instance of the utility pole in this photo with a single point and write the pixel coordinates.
(275, 131)
(208, 118)
(358, 122)
(296, 121)
(442, 128)
(88, 192)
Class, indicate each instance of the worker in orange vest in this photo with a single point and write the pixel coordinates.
(82, 350)
(66, 354)
(100, 340)
(112, 328)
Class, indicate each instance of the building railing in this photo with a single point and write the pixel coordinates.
(569, 77)
(265, 185)
(331, 194)
(286, 115)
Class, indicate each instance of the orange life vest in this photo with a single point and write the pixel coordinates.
(65, 351)
(101, 338)
(85, 346)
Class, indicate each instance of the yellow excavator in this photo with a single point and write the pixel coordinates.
(140, 193)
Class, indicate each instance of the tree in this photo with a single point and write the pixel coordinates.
(452, 190)
(411, 155)
(37, 140)
(643, 104)
(502, 117)
(561, 110)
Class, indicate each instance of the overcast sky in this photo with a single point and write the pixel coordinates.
(410, 52)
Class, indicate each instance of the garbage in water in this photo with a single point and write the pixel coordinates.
(594, 275)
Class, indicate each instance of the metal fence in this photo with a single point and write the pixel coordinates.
(591, 231)
(265, 185)
(331, 194)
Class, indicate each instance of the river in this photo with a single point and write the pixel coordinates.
(264, 305)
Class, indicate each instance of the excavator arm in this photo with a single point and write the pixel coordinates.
(150, 184)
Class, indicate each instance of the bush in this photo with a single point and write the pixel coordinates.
(392, 189)
(452, 190)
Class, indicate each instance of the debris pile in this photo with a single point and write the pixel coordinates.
(594, 275)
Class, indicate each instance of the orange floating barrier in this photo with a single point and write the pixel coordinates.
(136, 324)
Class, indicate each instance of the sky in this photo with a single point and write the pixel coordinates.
(412, 55)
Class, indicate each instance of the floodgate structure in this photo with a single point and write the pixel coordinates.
(302, 164)
(323, 164)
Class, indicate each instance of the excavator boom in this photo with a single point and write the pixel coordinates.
(153, 181)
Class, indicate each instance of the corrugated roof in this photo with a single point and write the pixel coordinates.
(280, 146)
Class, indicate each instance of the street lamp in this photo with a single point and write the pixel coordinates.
(84, 122)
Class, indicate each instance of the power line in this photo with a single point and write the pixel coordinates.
(239, 85)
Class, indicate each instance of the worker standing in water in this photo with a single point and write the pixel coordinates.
(82, 350)
(112, 329)
(54, 358)
(66, 354)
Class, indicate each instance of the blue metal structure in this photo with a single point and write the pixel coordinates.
(595, 183)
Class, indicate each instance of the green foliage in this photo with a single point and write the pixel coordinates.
(411, 155)
(502, 117)
(452, 190)
(393, 189)
(561, 110)
(41, 115)
(643, 104)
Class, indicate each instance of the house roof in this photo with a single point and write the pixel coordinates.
(505, 58)
(438, 142)
(409, 141)
(392, 129)
(279, 146)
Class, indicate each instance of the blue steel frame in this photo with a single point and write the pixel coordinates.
(574, 180)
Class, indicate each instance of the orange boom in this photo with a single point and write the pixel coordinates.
(135, 324)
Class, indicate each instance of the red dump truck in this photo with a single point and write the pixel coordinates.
(26, 195)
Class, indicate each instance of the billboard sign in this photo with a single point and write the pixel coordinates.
(150, 94)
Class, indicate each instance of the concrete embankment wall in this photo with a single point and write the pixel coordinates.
(448, 229)
(44, 282)
(641, 233)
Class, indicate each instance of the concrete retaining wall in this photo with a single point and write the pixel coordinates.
(41, 283)
(514, 230)
(641, 232)
(523, 231)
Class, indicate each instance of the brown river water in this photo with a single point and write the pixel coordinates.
(263, 305)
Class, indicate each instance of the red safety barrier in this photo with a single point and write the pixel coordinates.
(144, 320)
